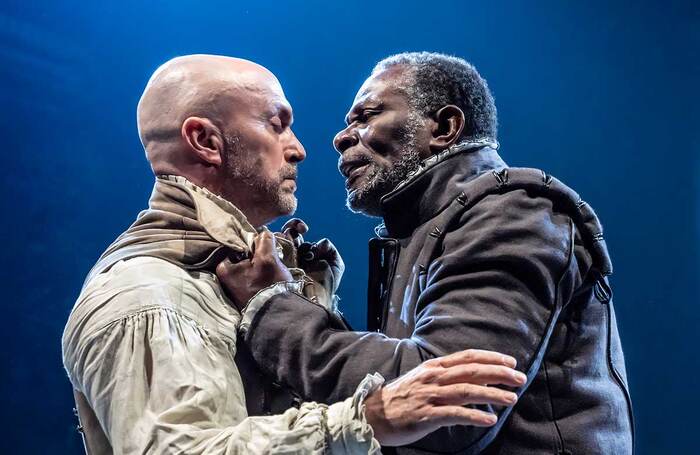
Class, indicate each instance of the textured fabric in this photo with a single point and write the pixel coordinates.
(474, 254)
(151, 343)
(192, 228)
(263, 296)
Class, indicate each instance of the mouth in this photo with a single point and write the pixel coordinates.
(292, 181)
(353, 170)
(355, 174)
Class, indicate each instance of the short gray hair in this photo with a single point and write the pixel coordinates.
(436, 80)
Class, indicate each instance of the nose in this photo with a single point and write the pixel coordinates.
(295, 152)
(344, 140)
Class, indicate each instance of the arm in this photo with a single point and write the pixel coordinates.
(159, 383)
(504, 272)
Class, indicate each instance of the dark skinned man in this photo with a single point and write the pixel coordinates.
(471, 253)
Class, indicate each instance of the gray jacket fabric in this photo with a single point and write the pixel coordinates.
(474, 254)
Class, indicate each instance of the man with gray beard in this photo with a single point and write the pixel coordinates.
(471, 253)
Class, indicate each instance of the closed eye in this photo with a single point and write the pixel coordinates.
(363, 116)
(370, 112)
(277, 124)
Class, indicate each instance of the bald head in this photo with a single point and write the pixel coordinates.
(225, 124)
(207, 86)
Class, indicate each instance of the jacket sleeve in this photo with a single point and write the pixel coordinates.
(159, 383)
(498, 284)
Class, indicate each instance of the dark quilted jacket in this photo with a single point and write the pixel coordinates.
(476, 255)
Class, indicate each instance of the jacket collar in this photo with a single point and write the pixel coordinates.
(434, 185)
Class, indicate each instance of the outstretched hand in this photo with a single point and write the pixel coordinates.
(242, 280)
(434, 394)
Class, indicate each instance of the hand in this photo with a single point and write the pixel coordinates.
(321, 260)
(433, 395)
(294, 230)
(242, 280)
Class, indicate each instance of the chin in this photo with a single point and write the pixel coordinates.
(287, 205)
(357, 205)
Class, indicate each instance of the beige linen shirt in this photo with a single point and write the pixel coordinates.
(151, 346)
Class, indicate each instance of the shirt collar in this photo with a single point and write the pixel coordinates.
(222, 220)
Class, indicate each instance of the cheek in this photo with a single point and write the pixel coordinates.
(274, 168)
(265, 151)
(386, 137)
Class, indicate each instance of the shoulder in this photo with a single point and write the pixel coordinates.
(537, 206)
(514, 231)
(138, 283)
(515, 217)
(518, 202)
(145, 284)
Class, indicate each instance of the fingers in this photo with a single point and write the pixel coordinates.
(457, 415)
(294, 229)
(297, 225)
(321, 250)
(326, 250)
(307, 251)
(463, 394)
(476, 356)
(476, 373)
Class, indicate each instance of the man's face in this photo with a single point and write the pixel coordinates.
(385, 139)
(262, 152)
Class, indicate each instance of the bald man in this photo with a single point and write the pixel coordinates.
(151, 344)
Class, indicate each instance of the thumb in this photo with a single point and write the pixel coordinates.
(227, 268)
(265, 245)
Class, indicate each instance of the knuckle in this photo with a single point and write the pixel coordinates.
(504, 372)
(467, 392)
(455, 412)
(476, 371)
(470, 355)
(432, 363)
(267, 263)
(430, 375)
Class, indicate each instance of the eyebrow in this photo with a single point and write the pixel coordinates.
(284, 111)
(347, 116)
(365, 104)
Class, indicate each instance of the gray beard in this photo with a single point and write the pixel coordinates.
(244, 168)
(381, 181)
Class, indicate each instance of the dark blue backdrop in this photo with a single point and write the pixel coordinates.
(601, 94)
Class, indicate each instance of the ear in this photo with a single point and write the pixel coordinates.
(448, 124)
(204, 139)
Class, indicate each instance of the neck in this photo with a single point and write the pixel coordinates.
(238, 194)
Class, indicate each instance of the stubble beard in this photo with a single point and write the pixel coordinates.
(380, 181)
(244, 168)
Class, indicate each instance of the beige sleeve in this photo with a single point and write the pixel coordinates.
(159, 383)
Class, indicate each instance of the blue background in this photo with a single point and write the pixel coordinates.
(603, 95)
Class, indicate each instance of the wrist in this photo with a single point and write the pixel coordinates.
(258, 301)
(375, 413)
(347, 421)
